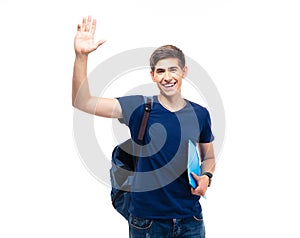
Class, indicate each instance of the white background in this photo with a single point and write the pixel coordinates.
(251, 51)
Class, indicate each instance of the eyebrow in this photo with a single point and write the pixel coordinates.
(164, 69)
(173, 67)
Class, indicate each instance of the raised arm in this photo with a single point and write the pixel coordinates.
(81, 97)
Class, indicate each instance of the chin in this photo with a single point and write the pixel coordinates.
(169, 93)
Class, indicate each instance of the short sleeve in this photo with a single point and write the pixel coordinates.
(129, 105)
(206, 134)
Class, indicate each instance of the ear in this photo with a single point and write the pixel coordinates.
(152, 75)
(185, 71)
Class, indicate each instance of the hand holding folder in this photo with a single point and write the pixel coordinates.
(193, 165)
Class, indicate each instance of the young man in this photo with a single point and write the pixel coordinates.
(163, 203)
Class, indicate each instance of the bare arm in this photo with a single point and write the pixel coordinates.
(207, 157)
(208, 165)
(81, 97)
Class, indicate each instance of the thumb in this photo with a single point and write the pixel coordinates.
(195, 176)
(100, 42)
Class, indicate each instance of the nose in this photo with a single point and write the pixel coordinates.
(168, 76)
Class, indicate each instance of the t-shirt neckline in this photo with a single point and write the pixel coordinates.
(157, 101)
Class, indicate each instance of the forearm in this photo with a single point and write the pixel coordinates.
(208, 165)
(80, 86)
(208, 162)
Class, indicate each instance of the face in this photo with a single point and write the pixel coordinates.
(168, 75)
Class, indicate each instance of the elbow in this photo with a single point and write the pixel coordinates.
(74, 99)
(79, 106)
(78, 102)
(75, 102)
(83, 105)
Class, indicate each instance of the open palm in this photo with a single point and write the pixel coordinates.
(84, 39)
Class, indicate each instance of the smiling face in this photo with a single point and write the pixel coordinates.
(168, 75)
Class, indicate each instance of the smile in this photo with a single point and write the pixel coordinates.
(168, 85)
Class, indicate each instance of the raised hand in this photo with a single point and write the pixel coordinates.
(84, 39)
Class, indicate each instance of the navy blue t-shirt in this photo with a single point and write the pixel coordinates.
(161, 188)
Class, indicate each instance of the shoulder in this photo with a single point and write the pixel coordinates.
(200, 110)
(132, 106)
(131, 102)
(131, 98)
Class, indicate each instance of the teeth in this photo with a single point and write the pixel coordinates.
(169, 85)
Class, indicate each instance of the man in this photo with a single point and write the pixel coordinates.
(163, 204)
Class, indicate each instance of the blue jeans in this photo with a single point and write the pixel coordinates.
(192, 227)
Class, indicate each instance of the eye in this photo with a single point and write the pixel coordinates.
(160, 71)
(173, 69)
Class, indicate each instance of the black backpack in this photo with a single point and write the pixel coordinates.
(123, 165)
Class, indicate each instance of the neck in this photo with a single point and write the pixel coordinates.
(173, 103)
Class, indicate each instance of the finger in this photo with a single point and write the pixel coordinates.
(195, 192)
(89, 20)
(83, 23)
(78, 27)
(88, 23)
(93, 29)
(201, 192)
(195, 176)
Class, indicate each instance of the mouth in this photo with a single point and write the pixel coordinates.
(168, 85)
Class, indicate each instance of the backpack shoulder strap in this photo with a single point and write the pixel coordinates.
(147, 109)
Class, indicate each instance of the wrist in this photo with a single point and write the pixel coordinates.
(209, 175)
(81, 56)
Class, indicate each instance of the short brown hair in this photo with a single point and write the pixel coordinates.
(164, 52)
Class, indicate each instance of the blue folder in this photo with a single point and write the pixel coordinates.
(193, 164)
